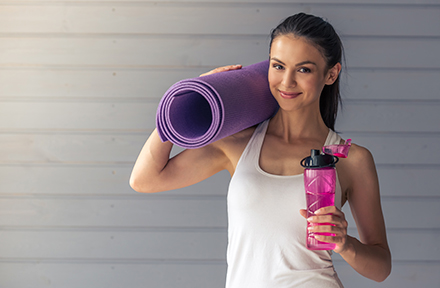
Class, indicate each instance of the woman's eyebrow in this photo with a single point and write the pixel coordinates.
(298, 64)
(306, 62)
(278, 60)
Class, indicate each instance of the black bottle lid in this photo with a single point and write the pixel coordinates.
(318, 160)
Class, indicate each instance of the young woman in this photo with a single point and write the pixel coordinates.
(266, 197)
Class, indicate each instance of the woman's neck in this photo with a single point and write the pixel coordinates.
(293, 125)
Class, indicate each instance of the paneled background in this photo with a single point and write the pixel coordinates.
(79, 85)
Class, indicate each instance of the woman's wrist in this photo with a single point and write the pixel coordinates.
(348, 251)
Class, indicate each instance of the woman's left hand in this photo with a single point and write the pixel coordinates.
(334, 223)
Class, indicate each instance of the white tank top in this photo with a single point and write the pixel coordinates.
(267, 234)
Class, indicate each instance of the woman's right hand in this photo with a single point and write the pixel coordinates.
(222, 69)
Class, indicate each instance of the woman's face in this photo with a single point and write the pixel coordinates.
(297, 73)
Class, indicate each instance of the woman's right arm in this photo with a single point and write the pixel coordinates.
(154, 171)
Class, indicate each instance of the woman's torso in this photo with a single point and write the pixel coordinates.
(266, 232)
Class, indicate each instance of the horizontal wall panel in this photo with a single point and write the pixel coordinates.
(396, 148)
(382, 52)
(61, 180)
(114, 246)
(77, 115)
(397, 216)
(146, 210)
(78, 148)
(118, 51)
(73, 148)
(115, 275)
(110, 180)
(395, 212)
(185, 211)
(91, 84)
(403, 274)
(92, 116)
(135, 52)
(408, 181)
(207, 2)
(86, 84)
(390, 84)
(389, 117)
(190, 18)
(112, 275)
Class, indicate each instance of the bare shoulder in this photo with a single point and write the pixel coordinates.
(358, 172)
(361, 162)
(358, 164)
(359, 158)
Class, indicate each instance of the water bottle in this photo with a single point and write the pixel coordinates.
(319, 183)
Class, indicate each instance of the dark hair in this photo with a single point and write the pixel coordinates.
(320, 34)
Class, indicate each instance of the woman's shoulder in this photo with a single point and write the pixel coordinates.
(359, 163)
(358, 155)
(357, 171)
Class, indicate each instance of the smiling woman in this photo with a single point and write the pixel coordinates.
(297, 68)
(321, 35)
(266, 197)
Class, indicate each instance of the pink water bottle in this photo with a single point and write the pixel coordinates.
(319, 183)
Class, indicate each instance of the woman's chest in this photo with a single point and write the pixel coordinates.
(280, 158)
(285, 160)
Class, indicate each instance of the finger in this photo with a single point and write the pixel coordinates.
(329, 219)
(331, 229)
(336, 235)
(328, 210)
(222, 69)
(303, 213)
(330, 239)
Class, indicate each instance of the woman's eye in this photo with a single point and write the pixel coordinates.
(304, 70)
(277, 66)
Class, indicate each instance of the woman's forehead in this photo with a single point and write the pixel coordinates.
(294, 49)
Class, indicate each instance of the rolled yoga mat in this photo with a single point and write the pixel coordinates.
(198, 111)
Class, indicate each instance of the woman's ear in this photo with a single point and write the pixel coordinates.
(333, 74)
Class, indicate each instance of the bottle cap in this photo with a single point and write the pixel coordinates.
(317, 160)
(340, 150)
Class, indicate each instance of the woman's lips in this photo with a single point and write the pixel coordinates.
(289, 95)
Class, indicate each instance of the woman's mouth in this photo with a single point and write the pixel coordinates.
(289, 95)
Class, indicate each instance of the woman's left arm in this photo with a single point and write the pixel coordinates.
(370, 256)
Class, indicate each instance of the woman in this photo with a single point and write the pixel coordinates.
(266, 218)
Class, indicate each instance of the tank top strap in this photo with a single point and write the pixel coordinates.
(253, 147)
(332, 138)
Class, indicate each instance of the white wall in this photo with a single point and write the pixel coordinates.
(79, 86)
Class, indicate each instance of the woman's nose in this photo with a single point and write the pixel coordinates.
(289, 80)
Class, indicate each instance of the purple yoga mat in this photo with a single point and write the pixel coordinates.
(198, 111)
